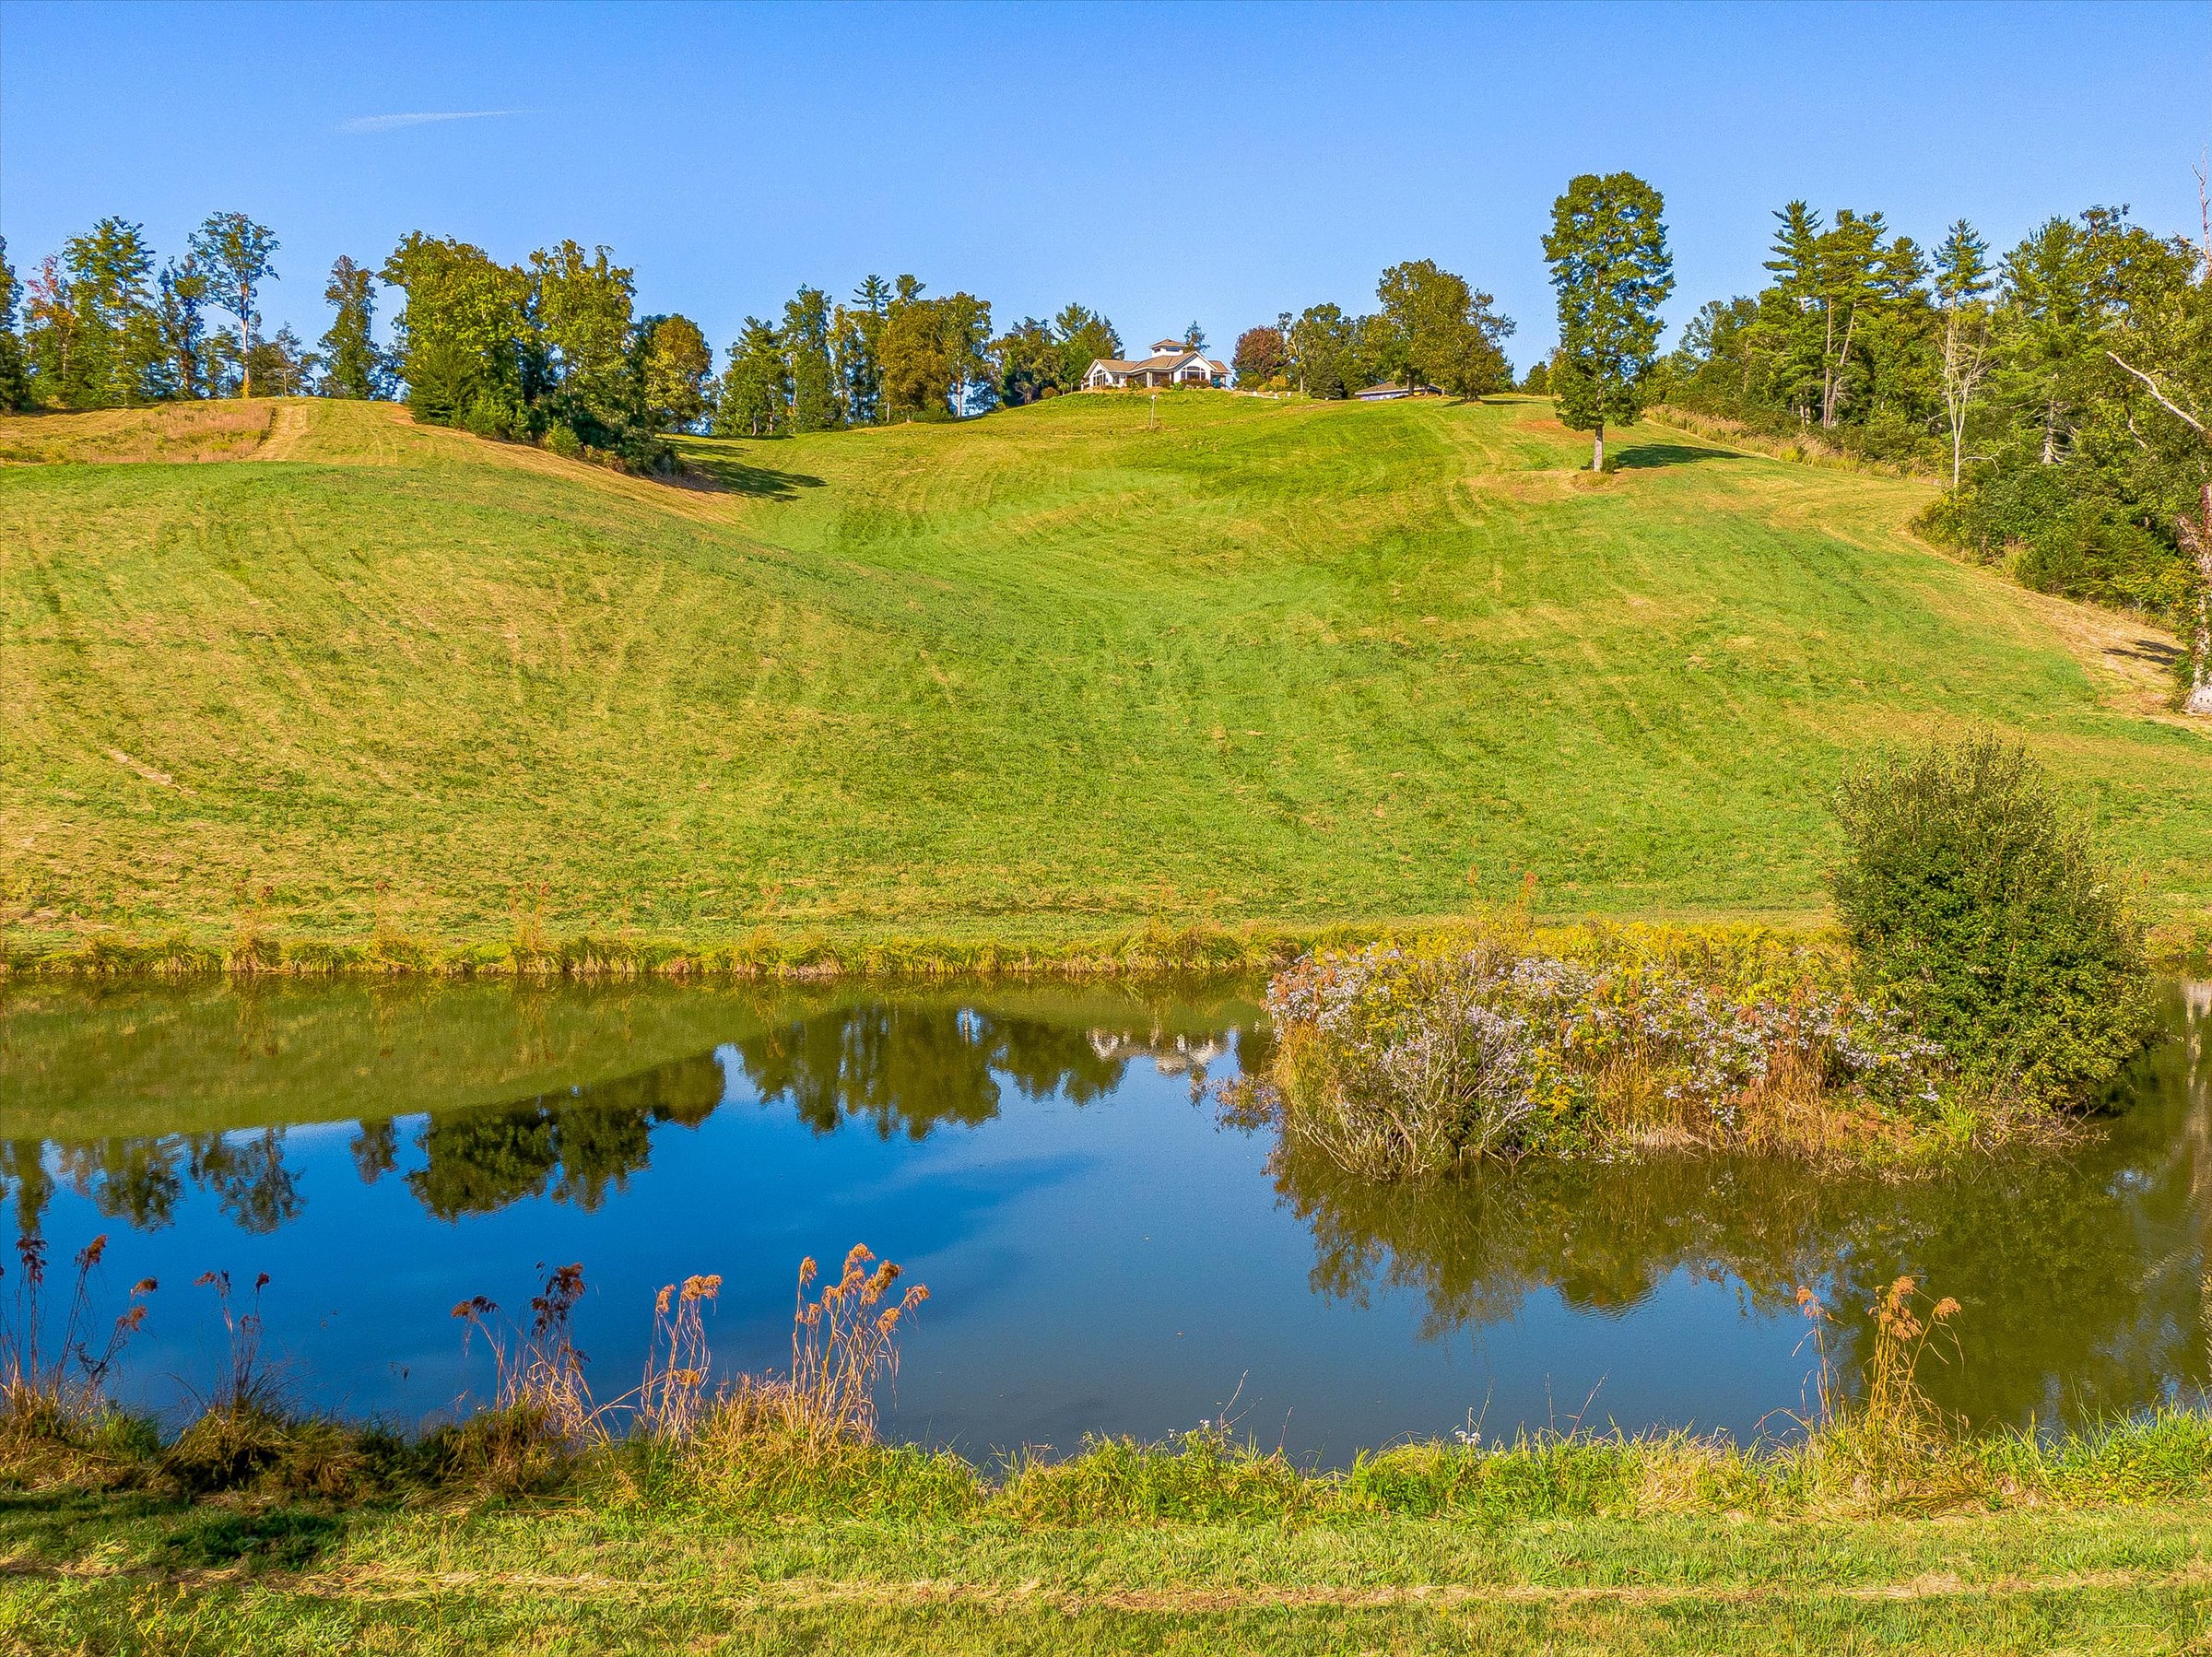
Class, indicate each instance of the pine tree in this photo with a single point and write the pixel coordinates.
(14, 384)
(192, 364)
(753, 399)
(806, 334)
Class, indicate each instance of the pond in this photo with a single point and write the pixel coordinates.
(1104, 1253)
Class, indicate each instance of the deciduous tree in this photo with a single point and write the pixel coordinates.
(354, 367)
(1260, 356)
(678, 363)
(238, 256)
(1963, 281)
(1612, 271)
(1449, 334)
(463, 339)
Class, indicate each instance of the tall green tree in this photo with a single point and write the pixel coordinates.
(581, 307)
(282, 365)
(856, 336)
(238, 256)
(966, 324)
(813, 374)
(1612, 271)
(464, 340)
(1030, 364)
(15, 382)
(95, 339)
(353, 366)
(678, 363)
(1084, 336)
(753, 399)
(1450, 336)
(1321, 348)
(1962, 284)
(193, 367)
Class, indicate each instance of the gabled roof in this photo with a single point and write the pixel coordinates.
(1164, 364)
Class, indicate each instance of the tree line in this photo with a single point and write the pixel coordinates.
(1430, 327)
(550, 350)
(2062, 391)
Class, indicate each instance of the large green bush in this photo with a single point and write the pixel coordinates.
(1979, 904)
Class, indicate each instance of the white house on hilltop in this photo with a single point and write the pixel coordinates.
(1172, 363)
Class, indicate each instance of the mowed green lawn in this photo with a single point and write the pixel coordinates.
(138, 1575)
(1032, 676)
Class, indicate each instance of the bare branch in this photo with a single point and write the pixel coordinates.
(2165, 402)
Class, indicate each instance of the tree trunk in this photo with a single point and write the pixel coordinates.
(2197, 537)
(1597, 449)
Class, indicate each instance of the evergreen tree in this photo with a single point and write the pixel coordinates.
(1084, 336)
(856, 340)
(95, 341)
(236, 255)
(1962, 279)
(805, 334)
(14, 384)
(354, 367)
(193, 365)
(1611, 269)
(1030, 363)
(753, 399)
(282, 366)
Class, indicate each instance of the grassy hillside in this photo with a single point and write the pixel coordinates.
(1033, 677)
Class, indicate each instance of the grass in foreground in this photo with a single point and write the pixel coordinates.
(1031, 679)
(768, 1518)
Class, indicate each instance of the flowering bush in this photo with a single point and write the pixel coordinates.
(1406, 1062)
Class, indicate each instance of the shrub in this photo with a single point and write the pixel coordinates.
(1982, 908)
(1398, 1062)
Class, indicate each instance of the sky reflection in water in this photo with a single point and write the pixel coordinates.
(1102, 1254)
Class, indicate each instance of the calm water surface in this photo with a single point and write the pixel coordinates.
(1103, 1254)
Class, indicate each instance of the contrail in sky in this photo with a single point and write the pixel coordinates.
(384, 124)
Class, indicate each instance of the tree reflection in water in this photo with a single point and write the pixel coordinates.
(909, 1068)
(2082, 1274)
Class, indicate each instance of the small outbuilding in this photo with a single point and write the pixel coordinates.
(1390, 394)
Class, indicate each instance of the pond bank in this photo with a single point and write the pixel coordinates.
(1155, 949)
(128, 1573)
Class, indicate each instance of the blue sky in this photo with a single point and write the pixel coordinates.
(1161, 162)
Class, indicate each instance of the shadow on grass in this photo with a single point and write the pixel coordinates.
(47, 1527)
(1644, 456)
(277, 1539)
(734, 477)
